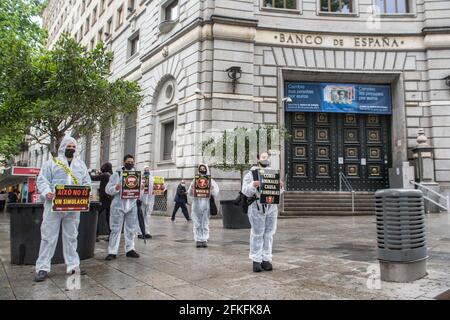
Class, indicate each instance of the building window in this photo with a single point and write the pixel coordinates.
(171, 11)
(167, 148)
(87, 152)
(109, 27)
(119, 20)
(92, 43)
(100, 35)
(130, 133)
(87, 25)
(81, 33)
(83, 6)
(105, 140)
(393, 6)
(102, 7)
(131, 6)
(281, 4)
(94, 15)
(336, 6)
(133, 45)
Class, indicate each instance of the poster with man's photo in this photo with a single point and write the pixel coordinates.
(131, 185)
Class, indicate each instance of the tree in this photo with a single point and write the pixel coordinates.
(236, 150)
(20, 38)
(73, 92)
(67, 88)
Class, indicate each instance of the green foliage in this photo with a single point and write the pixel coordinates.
(20, 39)
(237, 150)
(74, 91)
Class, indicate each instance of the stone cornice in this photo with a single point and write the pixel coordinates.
(436, 30)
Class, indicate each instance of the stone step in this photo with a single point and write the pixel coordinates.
(328, 208)
(327, 213)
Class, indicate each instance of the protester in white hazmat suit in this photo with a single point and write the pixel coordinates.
(147, 203)
(121, 210)
(263, 219)
(66, 169)
(201, 209)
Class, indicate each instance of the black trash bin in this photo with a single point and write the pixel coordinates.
(233, 217)
(25, 233)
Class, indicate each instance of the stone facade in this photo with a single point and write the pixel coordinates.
(190, 54)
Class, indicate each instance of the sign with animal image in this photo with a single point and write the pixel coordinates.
(158, 186)
(71, 198)
(269, 186)
(202, 186)
(131, 185)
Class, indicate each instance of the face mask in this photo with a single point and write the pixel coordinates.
(146, 173)
(183, 184)
(264, 163)
(69, 153)
(129, 166)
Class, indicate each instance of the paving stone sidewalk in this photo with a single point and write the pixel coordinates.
(314, 258)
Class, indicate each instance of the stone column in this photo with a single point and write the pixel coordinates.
(424, 164)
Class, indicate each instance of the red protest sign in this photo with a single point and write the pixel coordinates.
(71, 198)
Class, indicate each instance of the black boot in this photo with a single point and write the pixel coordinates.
(41, 276)
(198, 244)
(257, 267)
(110, 257)
(132, 254)
(266, 265)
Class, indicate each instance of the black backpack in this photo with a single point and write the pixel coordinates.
(242, 199)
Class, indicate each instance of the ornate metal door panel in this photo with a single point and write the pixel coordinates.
(324, 144)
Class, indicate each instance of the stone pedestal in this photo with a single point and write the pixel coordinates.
(403, 271)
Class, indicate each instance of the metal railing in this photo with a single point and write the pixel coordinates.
(440, 196)
(347, 184)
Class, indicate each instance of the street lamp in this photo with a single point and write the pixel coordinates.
(234, 73)
(447, 80)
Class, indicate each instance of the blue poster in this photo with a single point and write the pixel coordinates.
(338, 97)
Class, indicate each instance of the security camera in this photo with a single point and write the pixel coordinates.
(197, 91)
(287, 99)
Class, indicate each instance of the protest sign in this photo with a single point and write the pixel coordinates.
(71, 198)
(269, 186)
(131, 185)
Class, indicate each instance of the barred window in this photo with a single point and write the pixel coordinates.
(281, 4)
(339, 6)
(393, 6)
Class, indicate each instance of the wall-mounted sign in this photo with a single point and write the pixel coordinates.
(25, 171)
(338, 97)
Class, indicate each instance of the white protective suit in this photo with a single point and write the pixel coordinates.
(52, 174)
(263, 222)
(201, 210)
(148, 201)
(121, 210)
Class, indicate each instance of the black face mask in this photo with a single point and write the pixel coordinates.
(69, 153)
(203, 172)
(129, 166)
(264, 163)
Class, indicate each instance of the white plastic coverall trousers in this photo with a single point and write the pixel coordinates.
(147, 201)
(201, 211)
(263, 223)
(50, 175)
(121, 210)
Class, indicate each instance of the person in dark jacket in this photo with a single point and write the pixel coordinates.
(181, 201)
(105, 199)
(12, 196)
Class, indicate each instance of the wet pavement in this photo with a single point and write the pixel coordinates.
(314, 258)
